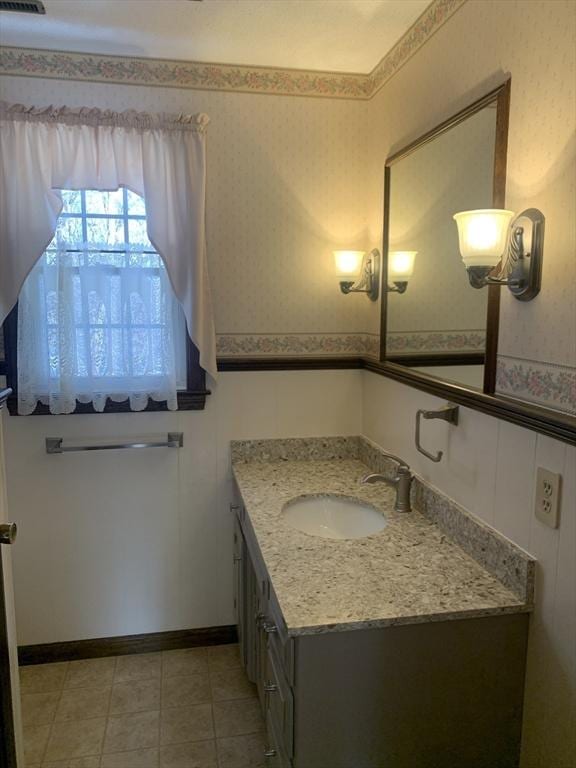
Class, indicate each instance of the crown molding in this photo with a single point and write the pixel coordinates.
(164, 73)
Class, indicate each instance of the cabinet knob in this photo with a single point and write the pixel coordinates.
(270, 753)
(8, 533)
(270, 629)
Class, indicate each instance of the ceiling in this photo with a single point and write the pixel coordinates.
(338, 35)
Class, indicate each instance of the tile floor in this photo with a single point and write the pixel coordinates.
(192, 708)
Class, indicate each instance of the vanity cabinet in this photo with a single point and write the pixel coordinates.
(436, 694)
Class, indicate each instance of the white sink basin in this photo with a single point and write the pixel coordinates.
(333, 517)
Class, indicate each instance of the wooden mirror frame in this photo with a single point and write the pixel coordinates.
(501, 97)
(543, 420)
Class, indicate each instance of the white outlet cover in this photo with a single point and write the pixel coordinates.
(547, 497)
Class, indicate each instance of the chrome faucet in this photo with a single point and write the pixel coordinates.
(402, 482)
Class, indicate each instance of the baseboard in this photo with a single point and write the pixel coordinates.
(121, 646)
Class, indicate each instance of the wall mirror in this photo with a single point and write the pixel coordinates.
(433, 321)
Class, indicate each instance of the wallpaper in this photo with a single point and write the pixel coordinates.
(475, 51)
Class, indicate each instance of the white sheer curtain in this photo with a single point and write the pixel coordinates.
(160, 157)
(94, 324)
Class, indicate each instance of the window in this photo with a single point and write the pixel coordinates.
(97, 327)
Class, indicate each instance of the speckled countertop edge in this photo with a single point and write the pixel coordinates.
(512, 567)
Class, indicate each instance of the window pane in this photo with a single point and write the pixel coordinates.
(140, 351)
(98, 352)
(72, 200)
(105, 231)
(110, 203)
(138, 235)
(68, 233)
(136, 205)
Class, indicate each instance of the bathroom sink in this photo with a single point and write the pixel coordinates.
(333, 517)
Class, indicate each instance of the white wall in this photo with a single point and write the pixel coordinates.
(489, 467)
(115, 543)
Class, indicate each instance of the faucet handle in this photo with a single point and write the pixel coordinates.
(397, 459)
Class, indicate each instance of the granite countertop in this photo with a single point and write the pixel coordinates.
(410, 572)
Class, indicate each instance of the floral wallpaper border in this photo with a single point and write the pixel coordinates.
(62, 65)
(297, 344)
(401, 343)
(422, 30)
(547, 384)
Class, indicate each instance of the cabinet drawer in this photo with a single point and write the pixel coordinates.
(279, 704)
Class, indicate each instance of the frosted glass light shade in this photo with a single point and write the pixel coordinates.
(348, 264)
(482, 236)
(401, 265)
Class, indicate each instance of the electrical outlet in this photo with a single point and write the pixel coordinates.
(547, 497)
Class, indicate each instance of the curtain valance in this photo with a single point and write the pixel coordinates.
(130, 118)
(161, 157)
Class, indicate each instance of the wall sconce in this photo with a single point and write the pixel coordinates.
(489, 236)
(400, 269)
(358, 272)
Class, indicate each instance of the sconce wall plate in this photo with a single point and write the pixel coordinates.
(369, 282)
(524, 265)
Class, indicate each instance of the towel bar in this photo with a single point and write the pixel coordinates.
(173, 440)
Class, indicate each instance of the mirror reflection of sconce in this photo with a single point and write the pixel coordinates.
(487, 237)
(358, 272)
(400, 269)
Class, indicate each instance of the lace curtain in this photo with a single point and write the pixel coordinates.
(94, 324)
(159, 157)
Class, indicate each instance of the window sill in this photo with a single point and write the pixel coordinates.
(188, 400)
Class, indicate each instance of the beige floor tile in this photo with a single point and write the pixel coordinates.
(197, 754)
(77, 738)
(90, 673)
(82, 704)
(138, 758)
(76, 762)
(242, 751)
(35, 740)
(139, 730)
(140, 666)
(231, 684)
(186, 724)
(39, 708)
(237, 718)
(135, 696)
(43, 678)
(185, 691)
(186, 662)
(224, 656)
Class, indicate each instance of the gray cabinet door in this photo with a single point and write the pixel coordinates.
(240, 597)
